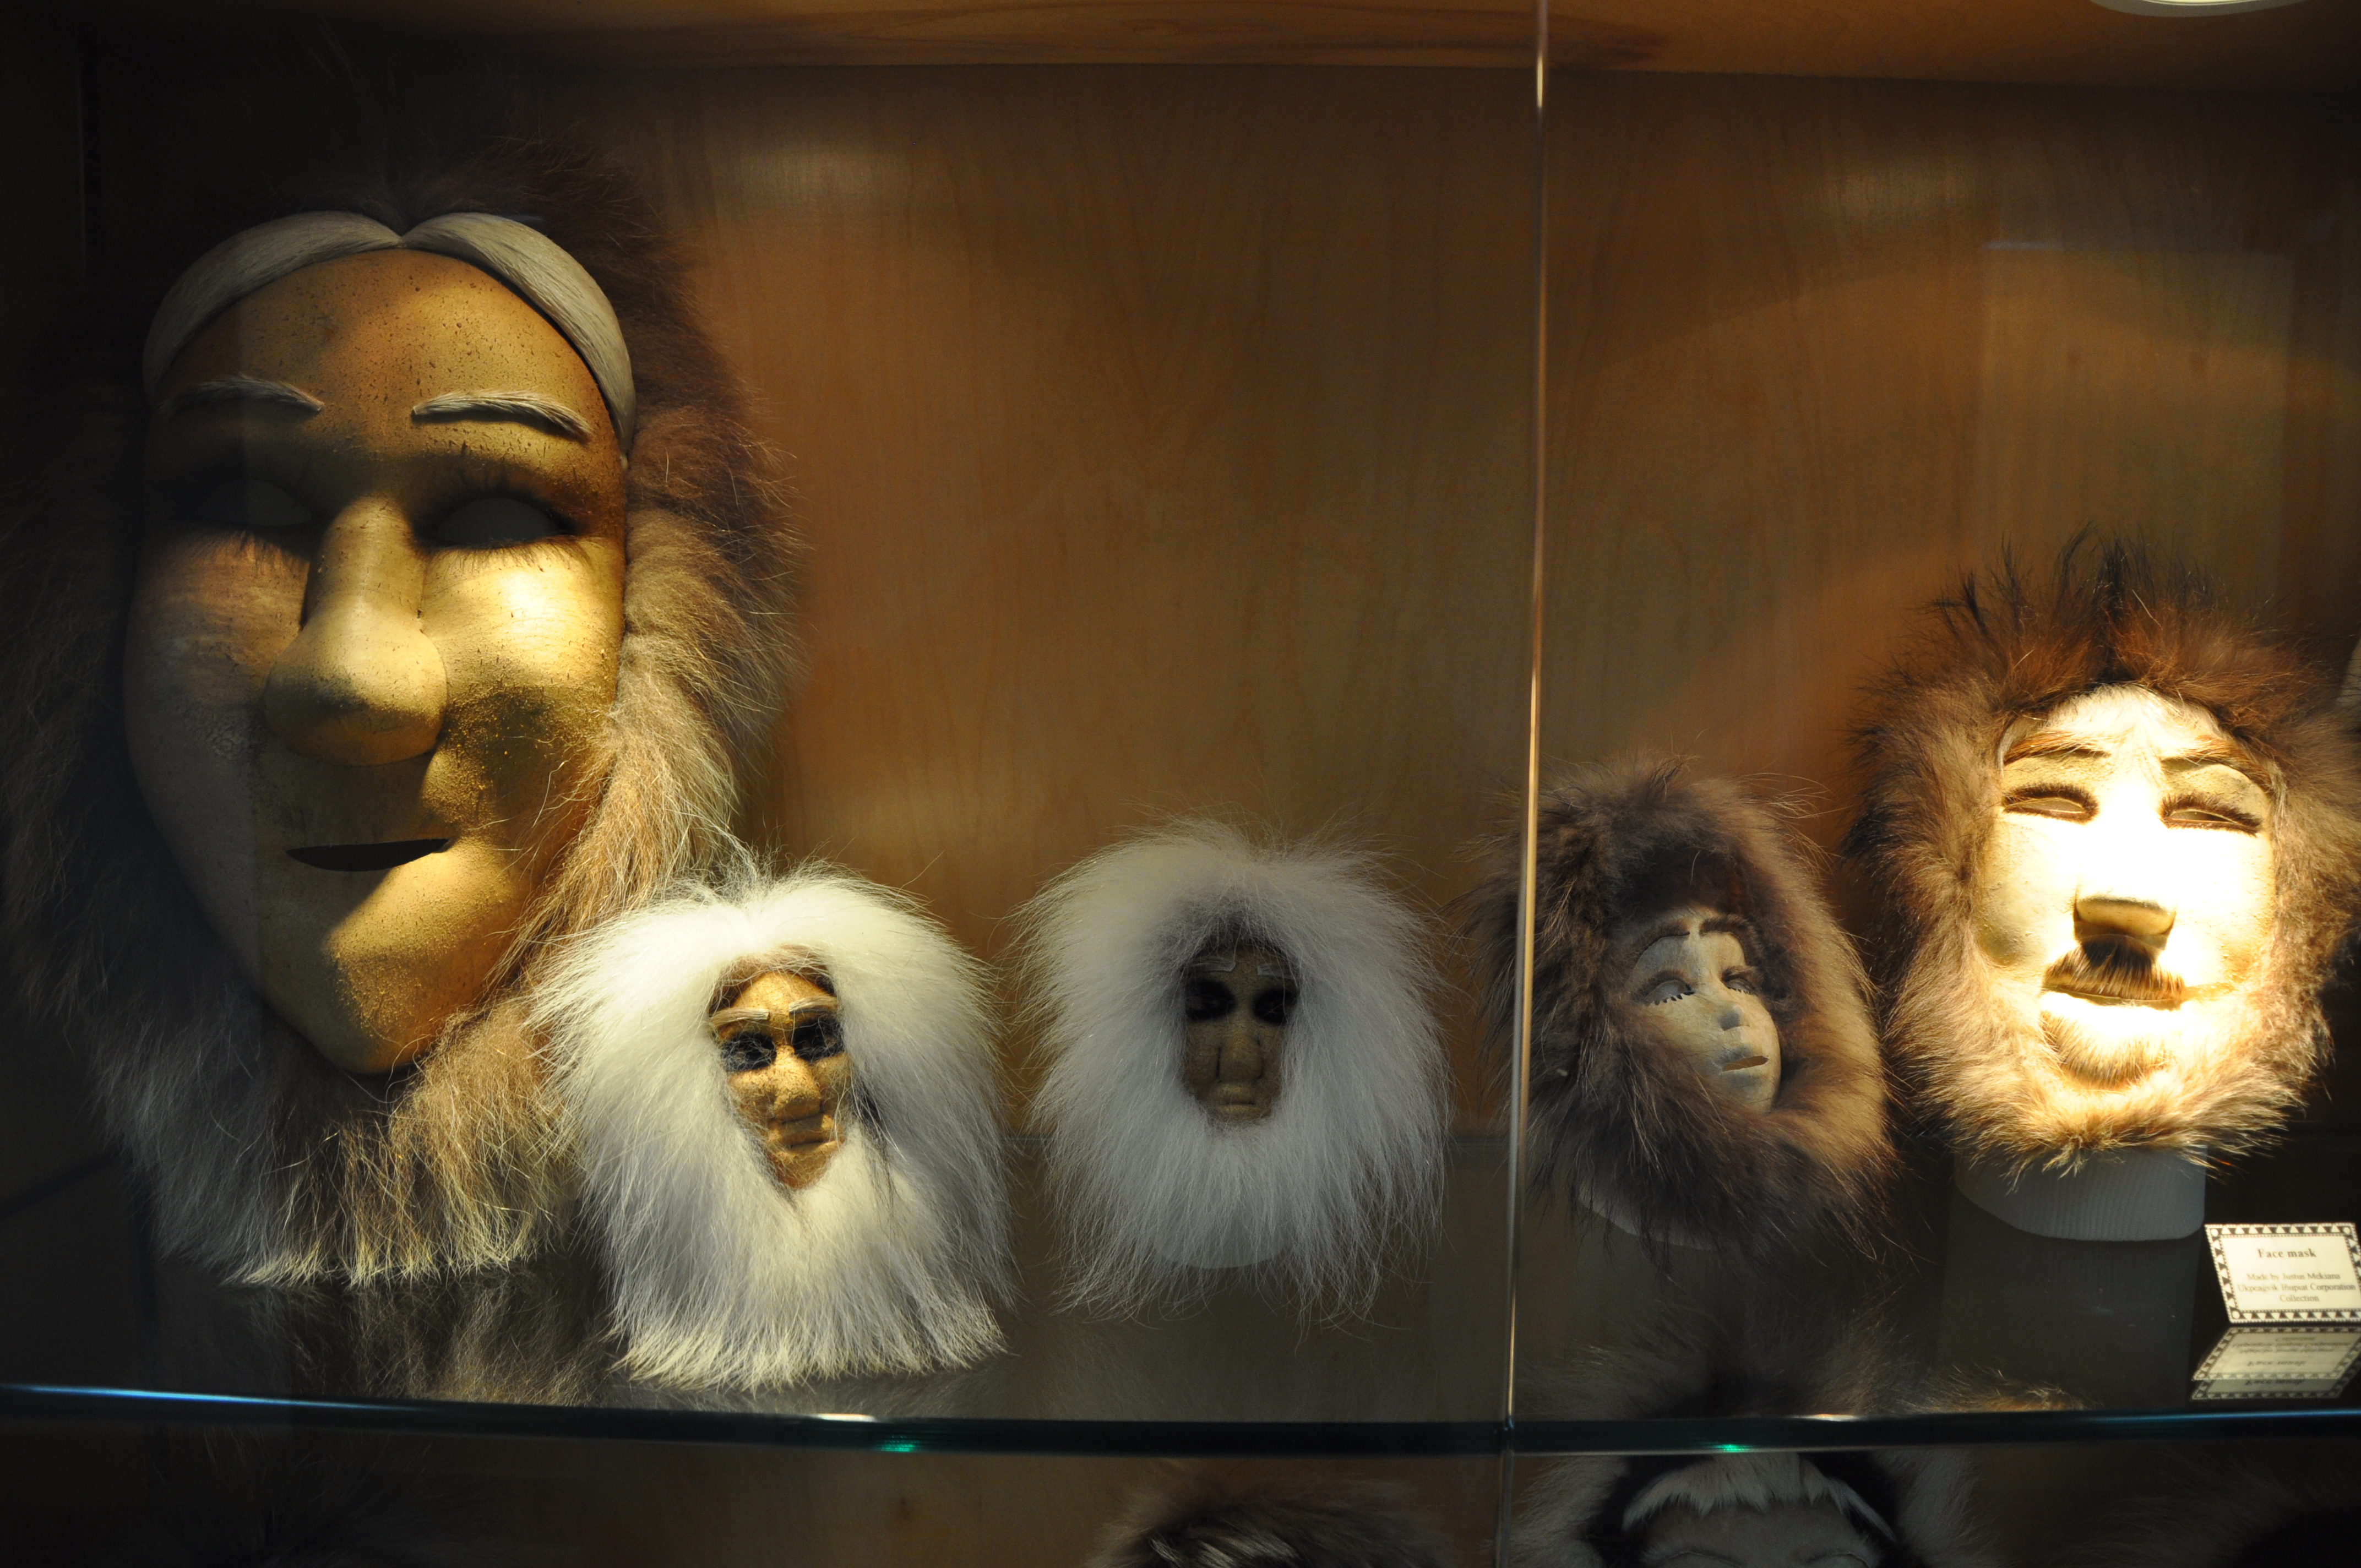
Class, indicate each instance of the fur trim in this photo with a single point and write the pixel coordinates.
(720, 1275)
(1571, 1515)
(1612, 1118)
(2004, 649)
(1208, 1525)
(1158, 1198)
(262, 1158)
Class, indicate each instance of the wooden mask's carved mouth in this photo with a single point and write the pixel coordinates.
(368, 857)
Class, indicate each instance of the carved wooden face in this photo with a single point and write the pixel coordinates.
(782, 1046)
(1695, 996)
(374, 635)
(1236, 1004)
(1785, 1535)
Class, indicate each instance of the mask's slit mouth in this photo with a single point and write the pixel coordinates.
(368, 857)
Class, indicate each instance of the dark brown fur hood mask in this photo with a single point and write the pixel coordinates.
(263, 1158)
(1712, 1079)
(2122, 828)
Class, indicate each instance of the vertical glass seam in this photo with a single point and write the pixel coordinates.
(1521, 1078)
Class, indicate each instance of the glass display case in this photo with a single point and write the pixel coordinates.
(1275, 830)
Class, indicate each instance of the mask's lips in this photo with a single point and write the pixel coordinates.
(368, 857)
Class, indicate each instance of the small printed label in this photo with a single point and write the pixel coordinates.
(2278, 1361)
(2287, 1274)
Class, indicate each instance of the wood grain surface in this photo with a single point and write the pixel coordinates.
(2312, 45)
(1144, 472)
(1819, 347)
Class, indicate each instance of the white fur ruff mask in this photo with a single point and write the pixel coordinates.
(1243, 1073)
(726, 1269)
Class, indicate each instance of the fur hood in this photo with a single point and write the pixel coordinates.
(2004, 649)
(719, 1274)
(262, 1159)
(1612, 1118)
(1159, 1198)
(1570, 1513)
(1208, 1525)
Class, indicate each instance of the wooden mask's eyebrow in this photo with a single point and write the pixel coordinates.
(2211, 753)
(515, 408)
(242, 389)
(2053, 743)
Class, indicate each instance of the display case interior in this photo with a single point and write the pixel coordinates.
(1287, 819)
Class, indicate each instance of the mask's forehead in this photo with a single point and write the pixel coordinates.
(2120, 720)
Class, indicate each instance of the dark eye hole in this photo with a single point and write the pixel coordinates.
(751, 1050)
(248, 504)
(1204, 998)
(490, 522)
(818, 1035)
(1276, 1006)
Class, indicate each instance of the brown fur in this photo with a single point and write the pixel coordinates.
(1205, 1524)
(263, 1159)
(1609, 1114)
(2004, 649)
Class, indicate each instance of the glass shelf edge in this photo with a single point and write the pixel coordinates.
(1540, 1439)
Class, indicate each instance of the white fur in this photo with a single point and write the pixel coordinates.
(720, 1275)
(1155, 1194)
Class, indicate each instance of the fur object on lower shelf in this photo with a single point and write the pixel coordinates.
(1208, 1524)
(1638, 1131)
(722, 1274)
(1160, 1198)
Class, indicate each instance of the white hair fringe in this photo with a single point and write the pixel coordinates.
(533, 265)
(1156, 1197)
(1756, 1481)
(723, 1276)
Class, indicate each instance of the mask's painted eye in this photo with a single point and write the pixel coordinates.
(749, 1050)
(1276, 1006)
(1666, 990)
(1204, 998)
(2042, 802)
(249, 504)
(818, 1035)
(494, 521)
(1743, 980)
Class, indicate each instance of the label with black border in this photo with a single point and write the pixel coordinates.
(2279, 1361)
(2287, 1274)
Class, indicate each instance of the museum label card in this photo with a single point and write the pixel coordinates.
(2279, 1361)
(2287, 1273)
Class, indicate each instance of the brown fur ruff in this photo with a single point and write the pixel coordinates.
(1611, 1115)
(2001, 651)
(262, 1159)
(1208, 1525)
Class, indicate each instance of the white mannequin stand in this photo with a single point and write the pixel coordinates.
(2137, 1195)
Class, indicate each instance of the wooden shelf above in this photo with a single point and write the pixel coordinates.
(2314, 45)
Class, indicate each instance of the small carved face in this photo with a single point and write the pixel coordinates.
(1693, 992)
(783, 1046)
(1236, 999)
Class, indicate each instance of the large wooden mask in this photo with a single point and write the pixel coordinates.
(374, 636)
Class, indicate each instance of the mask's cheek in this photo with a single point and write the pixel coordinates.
(2226, 901)
(209, 616)
(531, 641)
(2023, 890)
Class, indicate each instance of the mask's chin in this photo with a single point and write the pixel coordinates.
(369, 960)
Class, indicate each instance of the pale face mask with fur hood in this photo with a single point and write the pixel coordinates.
(1243, 1074)
(1704, 1071)
(299, 779)
(2122, 828)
